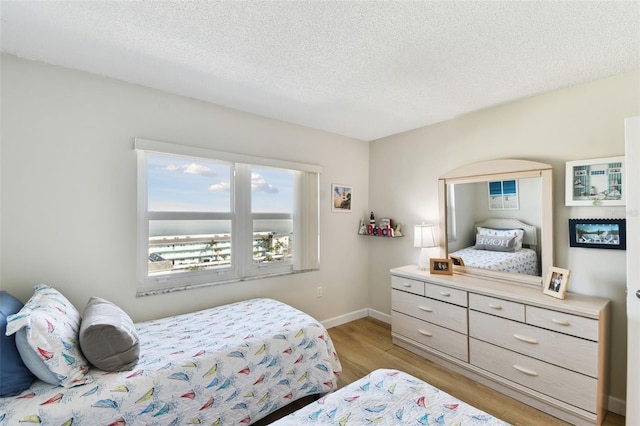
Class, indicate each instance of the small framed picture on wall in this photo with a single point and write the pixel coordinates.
(341, 198)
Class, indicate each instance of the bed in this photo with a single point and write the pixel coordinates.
(389, 397)
(507, 245)
(232, 364)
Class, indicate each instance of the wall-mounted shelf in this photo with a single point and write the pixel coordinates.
(383, 228)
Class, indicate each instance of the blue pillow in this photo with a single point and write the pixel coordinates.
(14, 375)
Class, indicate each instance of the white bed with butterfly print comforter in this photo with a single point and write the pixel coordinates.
(232, 364)
(389, 397)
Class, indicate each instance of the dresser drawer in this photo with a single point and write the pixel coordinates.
(565, 351)
(446, 294)
(407, 284)
(434, 311)
(494, 306)
(574, 325)
(442, 339)
(573, 388)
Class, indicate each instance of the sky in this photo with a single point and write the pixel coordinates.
(199, 185)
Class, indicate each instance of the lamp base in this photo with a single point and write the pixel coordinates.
(423, 263)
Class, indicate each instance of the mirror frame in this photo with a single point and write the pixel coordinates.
(503, 169)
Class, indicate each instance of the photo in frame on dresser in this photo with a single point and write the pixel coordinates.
(556, 283)
(456, 260)
(441, 266)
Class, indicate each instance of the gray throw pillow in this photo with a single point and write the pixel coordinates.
(495, 243)
(108, 337)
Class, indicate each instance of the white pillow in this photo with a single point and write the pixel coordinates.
(46, 331)
(516, 232)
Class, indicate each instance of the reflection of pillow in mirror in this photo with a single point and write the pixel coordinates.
(494, 243)
(516, 232)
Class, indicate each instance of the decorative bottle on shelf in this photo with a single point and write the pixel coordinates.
(372, 219)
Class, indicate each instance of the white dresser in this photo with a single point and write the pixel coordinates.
(549, 353)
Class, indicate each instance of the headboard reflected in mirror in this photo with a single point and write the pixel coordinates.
(473, 229)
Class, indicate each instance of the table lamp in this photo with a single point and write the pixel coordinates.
(424, 237)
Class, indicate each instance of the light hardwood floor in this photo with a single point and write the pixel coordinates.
(365, 345)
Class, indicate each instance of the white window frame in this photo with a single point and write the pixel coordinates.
(452, 232)
(305, 220)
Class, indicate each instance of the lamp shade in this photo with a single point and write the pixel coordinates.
(424, 236)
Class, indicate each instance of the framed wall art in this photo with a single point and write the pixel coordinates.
(598, 233)
(341, 198)
(597, 182)
(503, 194)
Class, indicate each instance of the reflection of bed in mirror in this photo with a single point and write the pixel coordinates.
(502, 244)
(464, 202)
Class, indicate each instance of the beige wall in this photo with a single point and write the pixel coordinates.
(69, 190)
(580, 122)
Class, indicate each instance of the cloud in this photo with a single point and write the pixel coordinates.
(171, 168)
(198, 170)
(260, 184)
(220, 187)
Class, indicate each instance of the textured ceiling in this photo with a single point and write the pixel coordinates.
(365, 69)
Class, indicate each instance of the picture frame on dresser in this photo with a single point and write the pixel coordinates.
(556, 283)
(441, 266)
(457, 260)
(596, 182)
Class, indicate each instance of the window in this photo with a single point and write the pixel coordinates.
(207, 217)
(451, 213)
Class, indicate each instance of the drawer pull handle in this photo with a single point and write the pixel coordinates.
(496, 307)
(425, 333)
(445, 294)
(526, 339)
(561, 322)
(424, 308)
(407, 285)
(525, 371)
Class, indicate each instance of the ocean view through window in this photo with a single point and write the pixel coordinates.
(207, 217)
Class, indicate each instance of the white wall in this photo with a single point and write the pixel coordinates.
(69, 190)
(581, 122)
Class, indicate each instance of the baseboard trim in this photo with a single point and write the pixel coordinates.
(617, 405)
(343, 319)
(380, 316)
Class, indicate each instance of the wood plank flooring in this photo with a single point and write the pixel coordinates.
(365, 345)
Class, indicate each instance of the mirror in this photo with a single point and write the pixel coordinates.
(499, 196)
